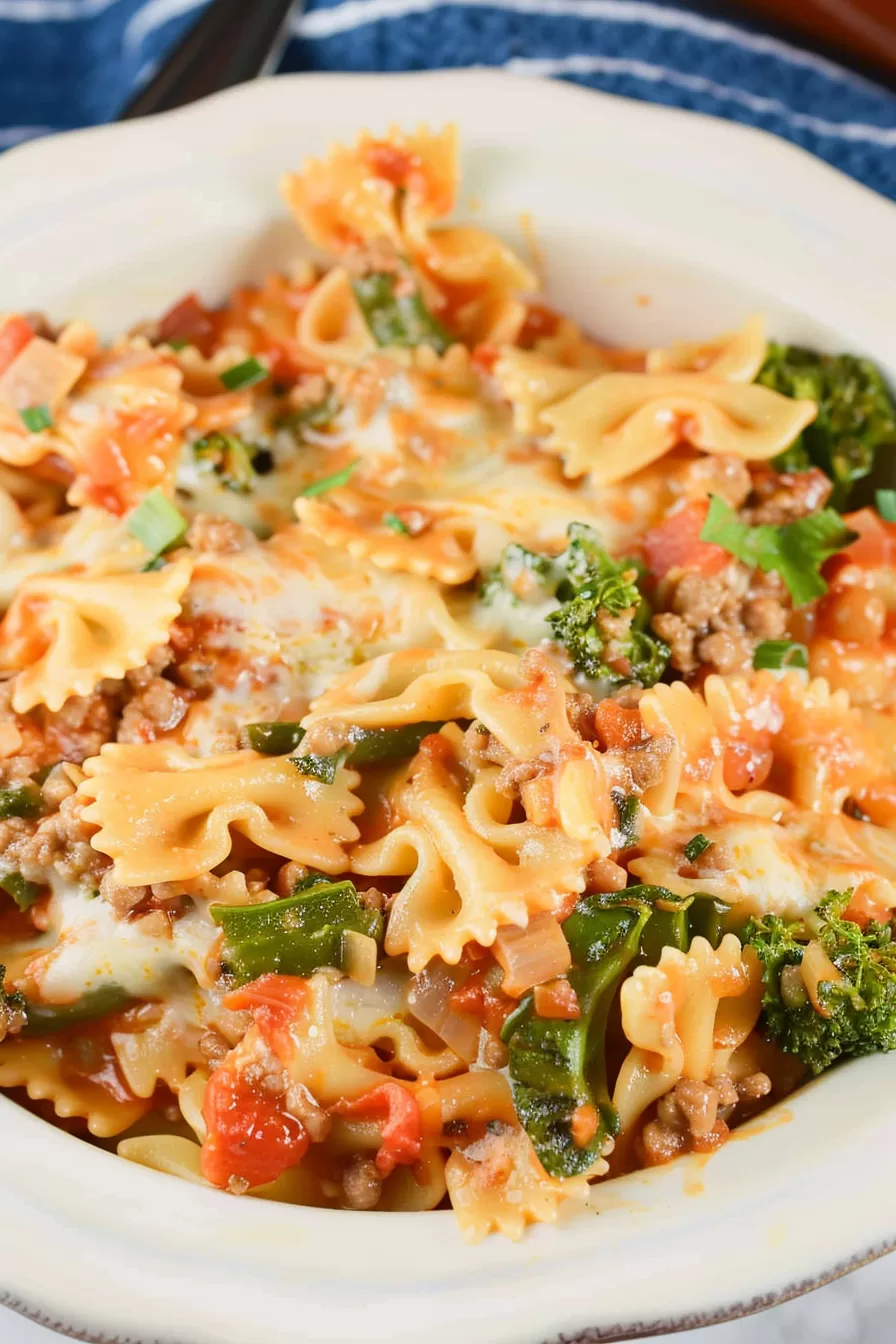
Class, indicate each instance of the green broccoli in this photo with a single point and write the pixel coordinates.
(602, 617)
(856, 413)
(856, 1014)
(12, 1008)
(236, 462)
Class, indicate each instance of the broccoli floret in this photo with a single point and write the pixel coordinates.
(602, 617)
(13, 1010)
(855, 1014)
(856, 413)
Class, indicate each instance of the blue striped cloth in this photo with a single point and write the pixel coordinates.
(67, 63)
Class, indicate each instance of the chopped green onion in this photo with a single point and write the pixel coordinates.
(20, 800)
(36, 418)
(780, 653)
(394, 524)
(697, 845)
(23, 892)
(886, 505)
(333, 482)
(178, 343)
(157, 523)
(247, 374)
(274, 739)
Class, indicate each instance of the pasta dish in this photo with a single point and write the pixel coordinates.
(445, 758)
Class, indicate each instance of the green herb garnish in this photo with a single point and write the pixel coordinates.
(36, 418)
(794, 550)
(247, 374)
(697, 845)
(333, 482)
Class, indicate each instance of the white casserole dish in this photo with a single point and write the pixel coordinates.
(653, 224)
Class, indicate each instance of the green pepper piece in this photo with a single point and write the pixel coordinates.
(274, 739)
(367, 746)
(708, 918)
(44, 1019)
(557, 1066)
(397, 319)
(297, 935)
(23, 892)
(20, 800)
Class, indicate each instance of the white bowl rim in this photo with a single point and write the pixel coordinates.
(508, 1310)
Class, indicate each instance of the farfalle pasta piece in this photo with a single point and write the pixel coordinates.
(394, 190)
(353, 522)
(331, 327)
(66, 632)
(79, 538)
(671, 1017)
(165, 1051)
(470, 869)
(118, 431)
(532, 382)
(521, 700)
(370, 190)
(50, 1069)
(736, 356)
(164, 816)
(621, 422)
(497, 1184)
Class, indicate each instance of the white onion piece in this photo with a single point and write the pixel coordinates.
(40, 375)
(428, 1000)
(531, 955)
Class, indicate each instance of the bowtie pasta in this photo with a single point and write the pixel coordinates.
(445, 757)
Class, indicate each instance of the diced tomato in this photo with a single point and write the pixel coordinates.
(190, 321)
(675, 543)
(540, 322)
(483, 999)
(484, 357)
(402, 1129)
(251, 1137)
(275, 1001)
(391, 163)
(15, 333)
(617, 727)
(875, 547)
(557, 999)
(863, 908)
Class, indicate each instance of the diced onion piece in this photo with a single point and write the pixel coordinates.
(531, 955)
(40, 375)
(360, 953)
(428, 999)
(816, 967)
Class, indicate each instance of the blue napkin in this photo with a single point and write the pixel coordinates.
(67, 63)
